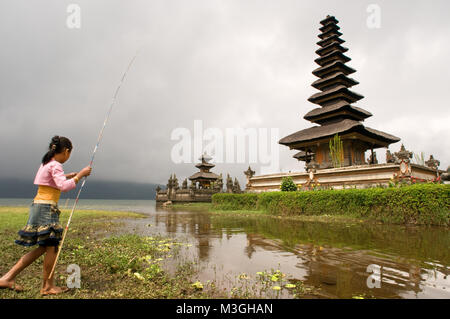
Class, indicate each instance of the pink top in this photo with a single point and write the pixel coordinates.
(52, 174)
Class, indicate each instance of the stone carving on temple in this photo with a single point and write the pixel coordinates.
(229, 184)
(372, 158)
(218, 185)
(404, 159)
(169, 182)
(175, 182)
(433, 163)
(446, 176)
(236, 187)
(390, 158)
(403, 155)
(312, 166)
(249, 174)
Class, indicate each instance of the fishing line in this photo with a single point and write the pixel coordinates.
(100, 136)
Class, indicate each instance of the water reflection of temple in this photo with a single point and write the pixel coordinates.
(196, 225)
(312, 248)
(341, 273)
(347, 279)
(255, 241)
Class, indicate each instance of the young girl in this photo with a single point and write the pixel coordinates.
(43, 227)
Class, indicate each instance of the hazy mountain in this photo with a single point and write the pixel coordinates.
(93, 189)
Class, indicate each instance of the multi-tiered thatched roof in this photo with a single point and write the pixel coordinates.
(336, 114)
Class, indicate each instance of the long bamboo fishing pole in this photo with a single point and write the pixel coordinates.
(100, 136)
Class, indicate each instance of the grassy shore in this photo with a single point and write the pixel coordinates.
(191, 206)
(125, 266)
(242, 213)
(128, 265)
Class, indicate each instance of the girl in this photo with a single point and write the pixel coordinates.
(43, 227)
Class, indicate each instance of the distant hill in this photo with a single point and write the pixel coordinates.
(93, 189)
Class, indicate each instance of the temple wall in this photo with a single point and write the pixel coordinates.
(422, 172)
(185, 195)
(162, 196)
(352, 176)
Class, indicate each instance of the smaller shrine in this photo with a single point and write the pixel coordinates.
(204, 184)
(204, 178)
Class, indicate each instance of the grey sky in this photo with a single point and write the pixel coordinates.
(228, 63)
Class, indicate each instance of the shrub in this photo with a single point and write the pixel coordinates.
(227, 201)
(288, 185)
(427, 204)
(336, 147)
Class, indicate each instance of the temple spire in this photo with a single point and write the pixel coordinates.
(336, 113)
(204, 176)
(333, 72)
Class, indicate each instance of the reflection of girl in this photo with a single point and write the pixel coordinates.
(43, 227)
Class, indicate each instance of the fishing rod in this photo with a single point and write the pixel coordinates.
(67, 203)
(100, 136)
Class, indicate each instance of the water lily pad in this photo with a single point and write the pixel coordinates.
(276, 288)
(290, 286)
(275, 278)
(139, 276)
(197, 285)
(243, 276)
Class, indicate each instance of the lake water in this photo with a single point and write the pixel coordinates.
(411, 262)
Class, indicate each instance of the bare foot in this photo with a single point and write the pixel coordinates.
(53, 290)
(5, 284)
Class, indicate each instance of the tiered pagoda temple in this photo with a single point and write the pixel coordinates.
(204, 184)
(336, 114)
(204, 178)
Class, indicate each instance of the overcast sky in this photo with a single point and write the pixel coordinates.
(228, 63)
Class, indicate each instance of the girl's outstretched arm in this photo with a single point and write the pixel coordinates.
(60, 179)
(71, 175)
(84, 172)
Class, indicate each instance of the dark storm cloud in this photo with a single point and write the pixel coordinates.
(228, 63)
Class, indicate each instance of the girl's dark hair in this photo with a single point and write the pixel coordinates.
(57, 145)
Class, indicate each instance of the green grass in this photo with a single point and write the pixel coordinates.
(190, 206)
(242, 213)
(16, 217)
(210, 208)
(301, 218)
(125, 266)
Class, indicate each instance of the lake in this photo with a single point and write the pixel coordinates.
(409, 261)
